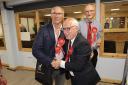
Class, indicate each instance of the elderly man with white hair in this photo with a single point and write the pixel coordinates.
(77, 62)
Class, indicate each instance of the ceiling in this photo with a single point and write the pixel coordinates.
(123, 6)
(17, 2)
(5, 0)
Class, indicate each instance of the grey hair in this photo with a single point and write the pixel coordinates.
(53, 8)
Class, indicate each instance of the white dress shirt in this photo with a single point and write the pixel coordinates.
(60, 55)
(62, 64)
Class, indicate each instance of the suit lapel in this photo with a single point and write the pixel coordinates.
(76, 41)
(51, 33)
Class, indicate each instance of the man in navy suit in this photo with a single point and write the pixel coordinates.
(77, 61)
(44, 49)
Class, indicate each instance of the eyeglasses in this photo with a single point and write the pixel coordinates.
(68, 28)
(57, 13)
(89, 11)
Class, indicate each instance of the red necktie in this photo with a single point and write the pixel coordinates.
(89, 35)
(68, 54)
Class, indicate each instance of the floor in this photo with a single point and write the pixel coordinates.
(23, 77)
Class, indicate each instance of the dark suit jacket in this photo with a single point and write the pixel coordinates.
(79, 62)
(44, 47)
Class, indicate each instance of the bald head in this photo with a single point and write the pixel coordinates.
(90, 11)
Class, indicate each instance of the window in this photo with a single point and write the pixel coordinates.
(2, 40)
(115, 28)
(27, 29)
(44, 16)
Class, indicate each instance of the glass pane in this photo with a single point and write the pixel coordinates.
(44, 16)
(116, 17)
(114, 22)
(115, 42)
(28, 28)
(2, 41)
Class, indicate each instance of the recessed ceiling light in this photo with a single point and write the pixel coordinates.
(111, 18)
(77, 12)
(115, 9)
(47, 15)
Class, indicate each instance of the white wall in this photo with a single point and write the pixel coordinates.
(26, 59)
(110, 68)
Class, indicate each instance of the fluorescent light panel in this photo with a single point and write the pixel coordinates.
(47, 15)
(77, 12)
(115, 9)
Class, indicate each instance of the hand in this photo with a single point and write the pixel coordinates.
(56, 64)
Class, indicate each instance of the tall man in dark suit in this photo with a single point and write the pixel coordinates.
(44, 49)
(77, 59)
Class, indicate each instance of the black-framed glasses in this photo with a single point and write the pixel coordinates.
(67, 28)
(89, 11)
(57, 13)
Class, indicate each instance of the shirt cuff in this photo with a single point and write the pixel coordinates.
(62, 64)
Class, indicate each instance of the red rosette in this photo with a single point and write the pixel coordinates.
(57, 49)
(94, 30)
(70, 51)
(61, 41)
(59, 45)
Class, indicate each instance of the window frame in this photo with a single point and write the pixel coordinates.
(102, 53)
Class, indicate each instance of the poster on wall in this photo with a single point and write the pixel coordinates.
(28, 24)
(24, 23)
(31, 25)
(25, 36)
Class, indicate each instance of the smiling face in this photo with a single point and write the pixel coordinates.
(70, 27)
(57, 15)
(90, 11)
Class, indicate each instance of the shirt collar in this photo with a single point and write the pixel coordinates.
(87, 21)
(55, 28)
(72, 40)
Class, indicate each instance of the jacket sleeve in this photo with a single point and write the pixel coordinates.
(79, 58)
(38, 49)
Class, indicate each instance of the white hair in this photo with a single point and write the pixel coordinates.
(72, 21)
(75, 22)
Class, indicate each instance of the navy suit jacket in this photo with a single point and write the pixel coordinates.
(44, 45)
(44, 51)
